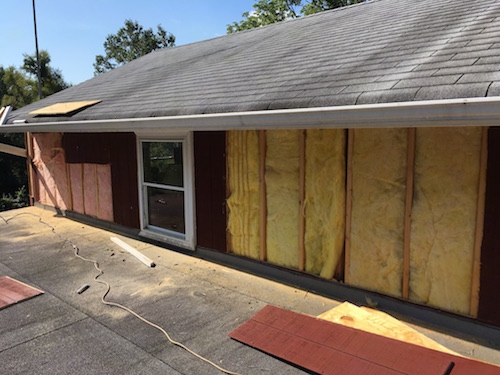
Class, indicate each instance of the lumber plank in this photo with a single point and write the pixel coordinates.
(262, 196)
(302, 206)
(478, 239)
(348, 209)
(379, 323)
(410, 173)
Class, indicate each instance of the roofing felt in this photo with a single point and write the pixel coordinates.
(381, 51)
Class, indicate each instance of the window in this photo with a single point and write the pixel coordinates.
(166, 189)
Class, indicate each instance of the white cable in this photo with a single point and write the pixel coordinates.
(108, 289)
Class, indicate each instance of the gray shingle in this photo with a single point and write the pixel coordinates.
(472, 90)
(494, 89)
(388, 96)
(481, 77)
(402, 50)
(427, 81)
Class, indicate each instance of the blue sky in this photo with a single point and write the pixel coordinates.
(73, 31)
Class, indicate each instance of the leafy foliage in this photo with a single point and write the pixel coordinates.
(130, 42)
(18, 87)
(18, 200)
(265, 13)
(271, 11)
(51, 78)
(19, 90)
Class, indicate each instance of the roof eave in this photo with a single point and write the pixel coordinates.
(434, 113)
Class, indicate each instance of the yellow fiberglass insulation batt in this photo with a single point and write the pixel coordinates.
(378, 205)
(282, 188)
(243, 201)
(444, 216)
(325, 200)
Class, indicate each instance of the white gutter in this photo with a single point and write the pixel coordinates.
(432, 113)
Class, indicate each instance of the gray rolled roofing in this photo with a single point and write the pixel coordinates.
(376, 52)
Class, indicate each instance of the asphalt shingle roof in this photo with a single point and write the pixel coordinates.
(377, 52)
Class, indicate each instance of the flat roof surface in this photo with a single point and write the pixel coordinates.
(199, 303)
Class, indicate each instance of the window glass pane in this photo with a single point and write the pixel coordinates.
(163, 163)
(166, 209)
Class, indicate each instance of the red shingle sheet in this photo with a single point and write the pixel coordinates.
(328, 348)
(13, 291)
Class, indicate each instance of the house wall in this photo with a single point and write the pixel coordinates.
(50, 167)
(432, 230)
(378, 206)
(92, 174)
(323, 208)
(443, 227)
(489, 303)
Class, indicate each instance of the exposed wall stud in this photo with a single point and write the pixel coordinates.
(348, 205)
(31, 172)
(83, 188)
(262, 195)
(478, 240)
(70, 189)
(302, 195)
(96, 190)
(410, 174)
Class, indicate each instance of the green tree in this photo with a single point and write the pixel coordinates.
(265, 13)
(270, 11)
(316, 6)
(130, 42)
(18, 87)
(51, 78)
(20, 90)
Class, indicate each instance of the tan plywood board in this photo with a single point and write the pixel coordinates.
(379, 323)
(64, 108)
(378, 206)
(243, 185)
(324, 200)
(282, 184)
(444, 216)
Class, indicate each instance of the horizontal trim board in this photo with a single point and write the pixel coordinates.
(13, 150)
(437, 113)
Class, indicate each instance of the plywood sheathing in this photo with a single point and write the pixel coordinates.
(378, 206)
(282, 185)
(243, 200)
(379, 323)
(324, 200)
(447, 165)
(50, 164)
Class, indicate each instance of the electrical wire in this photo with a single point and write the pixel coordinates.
(76, 252)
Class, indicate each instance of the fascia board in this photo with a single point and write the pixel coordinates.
(436, 113)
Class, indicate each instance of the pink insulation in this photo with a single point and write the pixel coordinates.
(50, 165)
(91, 190)
(91, 197)
(75, 173)
(83, 188)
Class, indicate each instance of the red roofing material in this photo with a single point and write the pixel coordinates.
(13, 291)
(329, 348)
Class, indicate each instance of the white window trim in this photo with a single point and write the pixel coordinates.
(159, 234)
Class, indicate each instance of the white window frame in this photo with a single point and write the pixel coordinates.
(188, 240)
